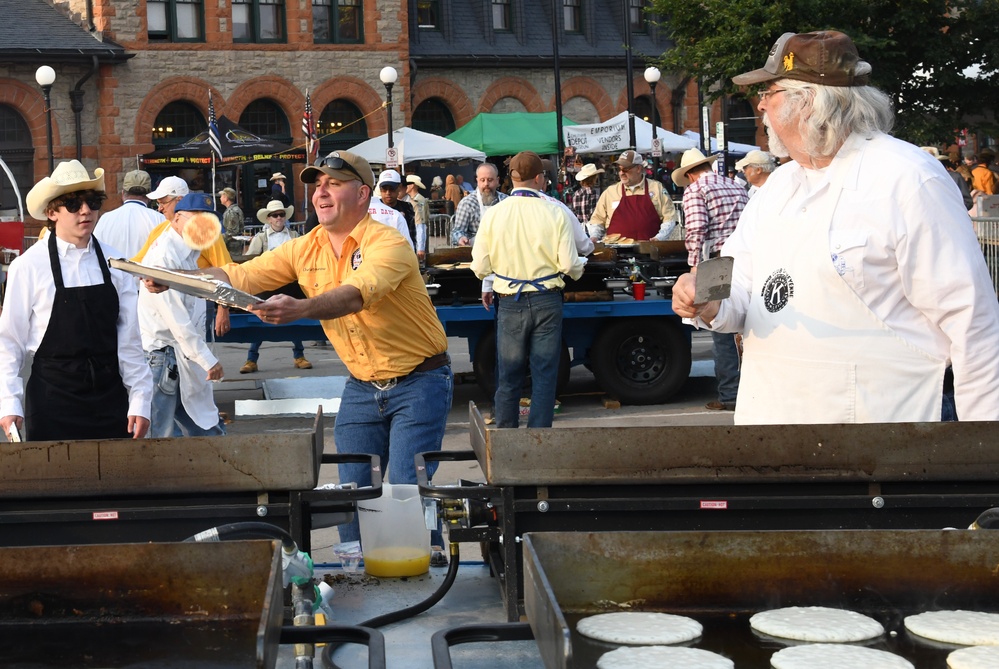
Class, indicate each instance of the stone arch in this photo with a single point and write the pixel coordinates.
(188, 89)
(592, 90)
(285, 94)
(359, 93)
(663, 95)
(449, 93)
(512, 87)
(29, 102)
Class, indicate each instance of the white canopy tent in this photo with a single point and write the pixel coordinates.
(611, 136)
(415, 145)
(733, 147)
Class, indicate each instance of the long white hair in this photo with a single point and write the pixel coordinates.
(828, 115)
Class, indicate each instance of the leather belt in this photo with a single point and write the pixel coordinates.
(428, 365)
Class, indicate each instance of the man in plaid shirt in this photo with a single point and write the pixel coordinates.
(584, 200)
(712, 205)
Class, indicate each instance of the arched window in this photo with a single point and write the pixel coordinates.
(340, 126)
(433, 116)
(176, 123)
(741, 121)
(643, 108)
(265, 118)
(19, 153)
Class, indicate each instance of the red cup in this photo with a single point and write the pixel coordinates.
(638, 290)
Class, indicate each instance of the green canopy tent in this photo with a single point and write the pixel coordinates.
(506, 134)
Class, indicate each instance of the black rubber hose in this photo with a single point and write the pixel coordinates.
(244, 530)
(408, 612)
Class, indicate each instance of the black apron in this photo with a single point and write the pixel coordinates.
(75, 390)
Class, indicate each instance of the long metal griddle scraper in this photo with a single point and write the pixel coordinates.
(713, 280)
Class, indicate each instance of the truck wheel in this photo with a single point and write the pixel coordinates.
(484, 366)
(641, 360)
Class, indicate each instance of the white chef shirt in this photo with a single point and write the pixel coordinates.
(393, 218)
(902, 240)
(28, 307)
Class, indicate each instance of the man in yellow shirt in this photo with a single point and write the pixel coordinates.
(362, 281)
(637, 208)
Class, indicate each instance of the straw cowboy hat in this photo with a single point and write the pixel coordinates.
(691, 158)
(278, 175)
(589, 170)
(414, 179)
(272, 206)
(68, 177)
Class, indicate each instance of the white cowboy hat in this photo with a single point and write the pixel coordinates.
(272, 206)
(691, 158)
(68, 177)
(589, 170)
(278, 175)
(414, 179)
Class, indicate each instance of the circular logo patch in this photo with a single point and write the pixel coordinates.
(777, 290)
(355, 259)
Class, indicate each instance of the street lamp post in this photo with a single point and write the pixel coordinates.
(389, 76)
(45, 76)
(652, 75)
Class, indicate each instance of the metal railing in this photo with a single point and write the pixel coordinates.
(987, 230)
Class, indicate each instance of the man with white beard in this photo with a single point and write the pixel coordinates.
(857, 277)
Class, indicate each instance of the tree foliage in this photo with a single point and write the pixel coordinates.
(920, 51)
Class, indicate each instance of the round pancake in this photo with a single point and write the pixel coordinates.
(967, 628)
(639, 628)
(975, 657)
(836, 656)
(201, 230)
(663, 656)
(816, 623)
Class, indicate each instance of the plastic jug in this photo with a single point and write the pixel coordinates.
(394, 536)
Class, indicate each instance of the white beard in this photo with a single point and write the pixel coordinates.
(777, 147)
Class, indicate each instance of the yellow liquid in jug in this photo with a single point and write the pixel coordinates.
(396, 562)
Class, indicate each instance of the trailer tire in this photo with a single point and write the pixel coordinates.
(484, 365)
(641, 360)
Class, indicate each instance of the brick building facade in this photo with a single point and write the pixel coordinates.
(145, 66)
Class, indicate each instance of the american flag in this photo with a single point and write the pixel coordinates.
(309, 128)
(213, 129)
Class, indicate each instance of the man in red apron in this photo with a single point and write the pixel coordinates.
(637, 208)
(77, 319)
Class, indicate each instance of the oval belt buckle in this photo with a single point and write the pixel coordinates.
(385, 385)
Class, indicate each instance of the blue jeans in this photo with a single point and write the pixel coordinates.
(168, 417)
(297, 351)
(726, 366)
(528, 330)
(394, 424)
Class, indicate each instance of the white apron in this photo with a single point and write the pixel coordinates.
(814, 352)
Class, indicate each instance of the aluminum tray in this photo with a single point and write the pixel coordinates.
(721, 578)
(747, 454)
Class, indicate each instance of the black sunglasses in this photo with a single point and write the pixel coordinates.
(277, 214)
(73, 201)
(335, 162)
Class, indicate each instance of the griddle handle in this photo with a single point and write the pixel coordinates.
(442, 641)
(313, 634)
(427, 489)
(341, 494)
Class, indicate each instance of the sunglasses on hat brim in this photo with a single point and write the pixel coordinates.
(338, 163)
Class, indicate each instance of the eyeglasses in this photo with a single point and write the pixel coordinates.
(766, 94)
(335, 162)
(73, 201)
(276, 214)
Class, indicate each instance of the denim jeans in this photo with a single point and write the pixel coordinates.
(297, 351)
(168, 417)
(528, 330)
(394, 424)
(726, 366)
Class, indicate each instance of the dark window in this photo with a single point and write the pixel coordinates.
(18, 152)
(572, 15)
(176, 123)
(265, 118)
(337, 21)
(258, 21)
(501, 14)
(428, 14)
(175, 20)
(433, 116)
(643, 107)
(636, 15)
(340, 126)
